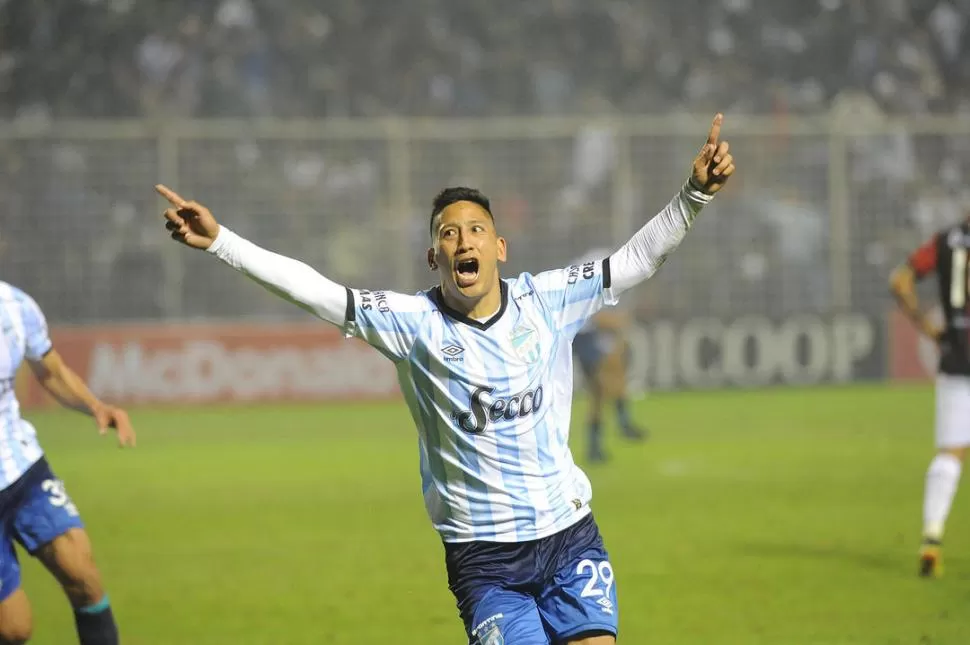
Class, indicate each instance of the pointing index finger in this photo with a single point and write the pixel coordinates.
(169, 194)
(715, 132)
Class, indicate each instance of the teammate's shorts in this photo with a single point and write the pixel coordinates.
(534, 593)
(952, 411)
(34, 510)
(590, 347)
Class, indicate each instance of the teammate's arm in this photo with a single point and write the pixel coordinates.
(647, 250)
(69, 390)
(902, 283)
(61, 381)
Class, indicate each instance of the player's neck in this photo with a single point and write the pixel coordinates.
(481, 309)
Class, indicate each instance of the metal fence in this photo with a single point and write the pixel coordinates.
(819, 212)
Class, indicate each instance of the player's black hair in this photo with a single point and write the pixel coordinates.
(449, 196)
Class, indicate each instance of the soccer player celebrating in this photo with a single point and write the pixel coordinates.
(945, 254)
(602, 351)
(35, 510)
(485, 366)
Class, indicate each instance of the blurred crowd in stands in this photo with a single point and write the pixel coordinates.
(79, 224)
(307, 58)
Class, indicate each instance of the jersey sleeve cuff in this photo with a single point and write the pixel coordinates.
(41, 355)
(695, 197)
(609, 298)
(223, 242)
(350, 315)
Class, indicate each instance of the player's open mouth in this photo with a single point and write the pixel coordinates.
(466, 272)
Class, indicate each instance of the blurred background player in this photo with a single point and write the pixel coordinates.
(602, 350)
(35, 509)
(944, 255)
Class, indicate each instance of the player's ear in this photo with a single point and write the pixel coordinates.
(502, 250)
(432, 264)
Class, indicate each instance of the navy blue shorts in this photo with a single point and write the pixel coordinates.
(34, 510)
(534, 593)
(590, 348)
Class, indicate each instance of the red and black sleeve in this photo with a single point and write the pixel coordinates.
(924, 259)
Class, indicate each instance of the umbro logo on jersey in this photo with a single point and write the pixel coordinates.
(453, 352)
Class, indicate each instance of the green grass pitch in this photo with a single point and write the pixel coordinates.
(782, 517)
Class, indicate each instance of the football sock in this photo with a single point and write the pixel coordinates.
(96, 624)
(623, 413)
(595, 437)
(941, 486)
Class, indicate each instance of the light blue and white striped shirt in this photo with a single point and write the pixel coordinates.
(491, 400)
(25, 337)
(590, 256)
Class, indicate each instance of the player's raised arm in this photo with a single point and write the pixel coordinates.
(902, 283)
(387, 321)
(193, 224)
(647, 250)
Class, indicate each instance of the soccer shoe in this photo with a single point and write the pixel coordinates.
(633, 433)
(597, 455)
(931, 559)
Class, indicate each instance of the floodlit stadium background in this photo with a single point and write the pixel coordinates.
(274, 497)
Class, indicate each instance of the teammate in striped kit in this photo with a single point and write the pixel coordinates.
(945, 255)
(485, 366)
(35, 510)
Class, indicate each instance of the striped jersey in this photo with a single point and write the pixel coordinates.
(491, 399)
(593, 255)
(23, 330)
(946, 254)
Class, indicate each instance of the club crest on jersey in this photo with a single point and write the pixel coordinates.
(525, 343)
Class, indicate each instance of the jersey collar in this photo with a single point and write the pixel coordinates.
(439, 300)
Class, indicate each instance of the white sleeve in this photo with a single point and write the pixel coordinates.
(291, 279)
(647, 250)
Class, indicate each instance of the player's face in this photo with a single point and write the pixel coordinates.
(467, 252)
